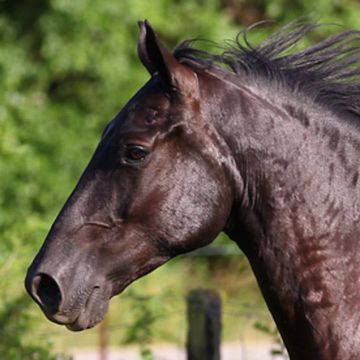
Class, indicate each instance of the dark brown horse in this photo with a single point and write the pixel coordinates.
(267, 151)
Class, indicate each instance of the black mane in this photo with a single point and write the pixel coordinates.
(329, 71)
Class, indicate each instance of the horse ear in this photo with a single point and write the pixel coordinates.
(159, 60)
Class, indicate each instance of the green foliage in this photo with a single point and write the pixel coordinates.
(14, 320)
(140, 331)
(66, 68)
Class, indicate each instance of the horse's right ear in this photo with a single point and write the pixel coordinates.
(159, 60)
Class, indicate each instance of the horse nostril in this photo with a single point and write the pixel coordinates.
(47, 292)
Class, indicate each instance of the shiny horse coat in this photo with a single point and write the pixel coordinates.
(267, 150)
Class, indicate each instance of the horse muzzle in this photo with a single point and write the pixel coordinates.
(78, 306)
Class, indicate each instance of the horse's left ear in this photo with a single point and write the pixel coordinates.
(159, 60)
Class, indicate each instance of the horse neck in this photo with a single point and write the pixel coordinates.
(297, 214)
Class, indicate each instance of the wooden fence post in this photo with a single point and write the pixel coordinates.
(204, 325)
(103, 339)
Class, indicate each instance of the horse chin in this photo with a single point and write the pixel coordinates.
(91, 314)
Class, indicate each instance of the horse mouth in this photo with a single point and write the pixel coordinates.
(91, 313)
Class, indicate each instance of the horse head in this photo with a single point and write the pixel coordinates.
(142, 199)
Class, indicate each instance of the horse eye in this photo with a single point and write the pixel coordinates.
(135, 153)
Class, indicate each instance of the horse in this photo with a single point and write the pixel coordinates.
(261, 142)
